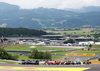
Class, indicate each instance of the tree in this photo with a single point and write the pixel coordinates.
(47, 55)
(20, 32)
(69, 41)
(47, 42)
(4, 55)
(40, 55)
(90, 46)
(34, 54)
(96, 40)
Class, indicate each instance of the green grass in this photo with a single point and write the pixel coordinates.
(85, 51)
(96, 46)
(61, 52)
(79, 32)
(59, 57)
(22, 57)
(27, 58)
(79, 51)
(23, 47)
(91, 51)
(17, 47)
(48, 48)
(97, 53)
(6, 61)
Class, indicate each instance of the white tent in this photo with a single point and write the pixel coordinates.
(86, 43)
(32, 47)
(97, 43)
(41, 43)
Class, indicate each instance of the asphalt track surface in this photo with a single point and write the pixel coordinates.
(14, 67)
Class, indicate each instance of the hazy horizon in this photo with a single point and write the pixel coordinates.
(58, 4)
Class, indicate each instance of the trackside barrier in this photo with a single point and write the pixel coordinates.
(20, 51)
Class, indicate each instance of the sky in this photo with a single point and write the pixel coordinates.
(58, 4)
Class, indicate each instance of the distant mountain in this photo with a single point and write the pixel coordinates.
(86, 9)
(13, 16)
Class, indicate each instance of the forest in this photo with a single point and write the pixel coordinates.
(21, 32)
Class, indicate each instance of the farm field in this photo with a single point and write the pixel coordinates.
(78, 32)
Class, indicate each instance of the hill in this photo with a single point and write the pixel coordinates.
(21, 32)
(86, 9)
(13, 16)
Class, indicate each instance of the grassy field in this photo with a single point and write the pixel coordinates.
(48, 48)
(96, 46)
(59, 56)
(22, 57)
(61, 52)
(6, 61)
(78, 32)
(22, 47)
(91, 51)
(79, 51)
(85, 51)
(17, 47)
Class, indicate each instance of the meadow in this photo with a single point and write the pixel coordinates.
(23, 47)
(82, 32)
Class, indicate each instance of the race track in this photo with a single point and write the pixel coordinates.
(10, 67)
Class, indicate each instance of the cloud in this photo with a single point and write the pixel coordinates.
(59, 4)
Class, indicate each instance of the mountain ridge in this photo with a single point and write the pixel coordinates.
(13, 16)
